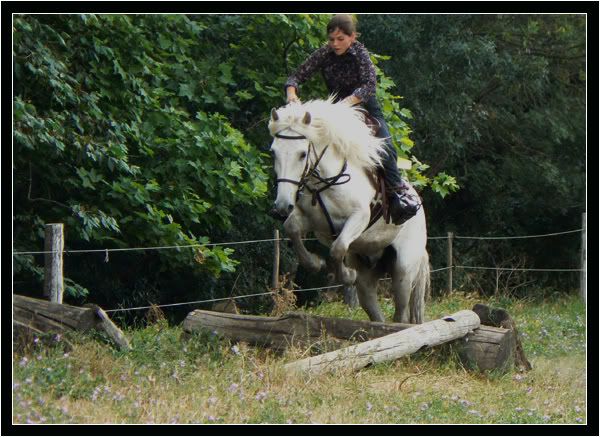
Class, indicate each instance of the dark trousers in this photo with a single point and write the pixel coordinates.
(389, 163)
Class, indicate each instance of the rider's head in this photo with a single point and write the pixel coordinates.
(341, 32)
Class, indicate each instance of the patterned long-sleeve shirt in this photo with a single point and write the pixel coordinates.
(352, 73)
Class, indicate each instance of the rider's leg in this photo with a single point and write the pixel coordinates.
(402, 204)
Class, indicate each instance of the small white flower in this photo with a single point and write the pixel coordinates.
(235, 349)
(369, 406)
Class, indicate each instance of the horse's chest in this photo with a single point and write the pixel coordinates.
(318, 214)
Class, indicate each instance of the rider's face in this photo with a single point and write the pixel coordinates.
(340, 42)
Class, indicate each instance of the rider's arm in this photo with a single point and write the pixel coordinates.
(368, 77)
(305, 71)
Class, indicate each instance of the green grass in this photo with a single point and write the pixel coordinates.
(204, 379)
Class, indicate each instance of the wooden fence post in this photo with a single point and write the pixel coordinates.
(449, 261)
(583, 274)
(275, 279)
(53, 270)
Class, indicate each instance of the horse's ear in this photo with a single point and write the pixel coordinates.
(306, 119)
(274, 115)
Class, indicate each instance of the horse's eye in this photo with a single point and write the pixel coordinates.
(302, 155)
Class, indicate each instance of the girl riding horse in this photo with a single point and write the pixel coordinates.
(350, 76)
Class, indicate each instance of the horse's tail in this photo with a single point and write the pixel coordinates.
(421, 291)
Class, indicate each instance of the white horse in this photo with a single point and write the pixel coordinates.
(326, 160)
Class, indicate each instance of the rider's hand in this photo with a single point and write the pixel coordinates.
(351, 100)
(291, 95)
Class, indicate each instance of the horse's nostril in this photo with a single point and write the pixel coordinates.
(290, 207)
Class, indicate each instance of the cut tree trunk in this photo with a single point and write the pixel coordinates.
(32, 317)
(501, 319)
(485, 348)
(296, 329)
(392, 346)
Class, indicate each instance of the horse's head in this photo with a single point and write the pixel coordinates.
(290, 151)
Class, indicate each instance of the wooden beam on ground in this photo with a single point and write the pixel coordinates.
(485, 348)
(392, 346)
(40, 316)
(290, 329)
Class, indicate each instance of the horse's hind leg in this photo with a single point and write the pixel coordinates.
(295, 228)
(346, 274)
(401, 286)
(366, 288)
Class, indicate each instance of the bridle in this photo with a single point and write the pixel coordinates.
(313, 171)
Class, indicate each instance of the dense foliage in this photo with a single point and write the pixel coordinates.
(499, 103)
(150, 131)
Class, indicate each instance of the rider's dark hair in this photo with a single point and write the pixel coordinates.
(343, 22)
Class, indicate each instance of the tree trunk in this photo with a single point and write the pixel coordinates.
(290, 329)
(392, 346)
(34, 316)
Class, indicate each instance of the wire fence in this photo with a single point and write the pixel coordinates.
(271, 240)
(266, 240)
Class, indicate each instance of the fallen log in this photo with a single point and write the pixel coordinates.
(297, 329)
(392, 346)
(34, 316)
(485, 348)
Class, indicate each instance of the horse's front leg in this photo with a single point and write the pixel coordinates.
(353, 228)
(295, 228)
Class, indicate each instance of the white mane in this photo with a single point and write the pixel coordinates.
(335, 124)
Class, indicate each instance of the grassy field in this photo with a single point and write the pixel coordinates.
(204, 379)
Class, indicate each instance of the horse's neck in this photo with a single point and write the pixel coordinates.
(331, 162)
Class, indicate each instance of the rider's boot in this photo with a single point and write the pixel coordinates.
(402, 204)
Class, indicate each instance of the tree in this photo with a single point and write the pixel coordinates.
(498, 102)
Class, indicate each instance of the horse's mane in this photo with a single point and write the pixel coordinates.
(335, 124)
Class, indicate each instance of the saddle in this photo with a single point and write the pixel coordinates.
(370, 121)
(379, 205)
